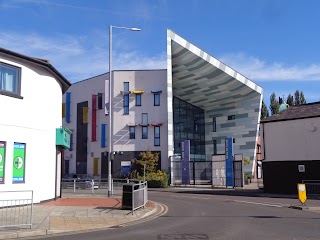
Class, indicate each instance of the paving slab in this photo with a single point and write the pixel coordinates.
(67, 215)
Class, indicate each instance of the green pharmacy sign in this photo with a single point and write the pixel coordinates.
(2, 160)
(19, 154)
(63, 137)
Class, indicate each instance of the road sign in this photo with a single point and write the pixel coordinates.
(302, 193)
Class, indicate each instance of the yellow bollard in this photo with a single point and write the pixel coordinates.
(302, 193)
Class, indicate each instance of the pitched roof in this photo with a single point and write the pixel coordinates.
(309, 110)
(41, 62)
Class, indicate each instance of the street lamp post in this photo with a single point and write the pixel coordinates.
(110, 145)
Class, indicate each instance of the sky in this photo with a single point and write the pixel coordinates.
(275, 43)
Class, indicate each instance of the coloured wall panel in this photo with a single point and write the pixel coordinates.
(68, 107)
(85, 111)
(103, 135)
(94, 119)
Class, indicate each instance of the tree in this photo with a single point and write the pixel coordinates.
(246, 160)
(274, 104)
(148, 158)
(297, 98)
(302, 99)
(290, 100)
(264, 111)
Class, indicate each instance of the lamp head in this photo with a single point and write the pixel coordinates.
(135, 29)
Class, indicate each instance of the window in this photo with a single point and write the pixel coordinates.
(126, 87)
(10, 80)
(126, 98)
(126, 104)
(100, 101)
(132, 132)
(144, 118)
(138, 99)
(214, 147)
(156, 98)
(231, 117)
(214, 124)
(144, 132)
(157, 136)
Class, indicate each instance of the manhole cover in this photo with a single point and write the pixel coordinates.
(183, 236)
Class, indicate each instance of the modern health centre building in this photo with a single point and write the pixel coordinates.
(197, 97)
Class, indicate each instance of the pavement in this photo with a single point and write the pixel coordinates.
(76, 214)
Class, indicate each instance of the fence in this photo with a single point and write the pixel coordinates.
(200, 172)
(94, 186)
(140, 195)
(84, 186)
(219, 173)
(208, 172)
(16, 208)
(312, 187)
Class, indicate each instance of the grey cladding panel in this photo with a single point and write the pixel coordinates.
(249, 145)
(242, 115)
(227, 125)
(250, 134)
(186, 76)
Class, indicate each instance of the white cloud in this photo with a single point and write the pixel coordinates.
(78, 58)
(81, 57)
(257, 69)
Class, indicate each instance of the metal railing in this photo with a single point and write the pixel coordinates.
(312, 187)
(16, 208)
(117, 184)
(140, 195)
(94, 186)
(79, 186)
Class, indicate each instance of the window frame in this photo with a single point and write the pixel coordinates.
(138, 100)
(18, 82)
(144, 136)
(157, 137)
(154, 99)
(231, 117)
(214, 124)
(144, 122)
(132, 135)
(125, 85)
(126, 106)
(215, 152)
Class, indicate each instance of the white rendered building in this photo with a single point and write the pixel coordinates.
(290, 152)
(31, 92)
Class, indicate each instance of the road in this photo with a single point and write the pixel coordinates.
(206, 216)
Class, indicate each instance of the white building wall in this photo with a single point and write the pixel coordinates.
(32, 120)
(293, 140)
(147, 81)
(138, 80)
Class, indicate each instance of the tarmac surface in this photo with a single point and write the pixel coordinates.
(81, 213)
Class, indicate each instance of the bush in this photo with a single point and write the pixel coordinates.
(157, 179)
(248, 176)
